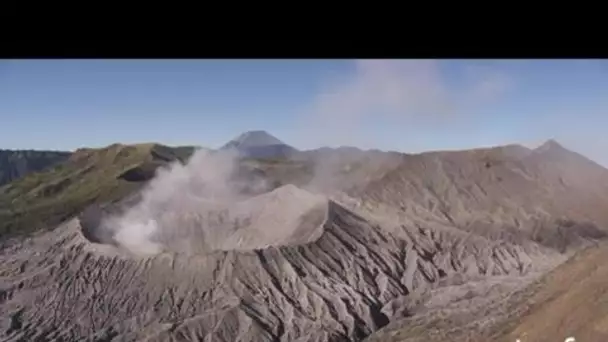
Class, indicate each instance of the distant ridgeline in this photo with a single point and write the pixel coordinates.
(18, 163)
(64, 183)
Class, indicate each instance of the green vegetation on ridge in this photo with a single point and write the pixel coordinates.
(41, 200)
(44, 199)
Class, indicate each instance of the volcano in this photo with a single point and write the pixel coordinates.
(259, 144)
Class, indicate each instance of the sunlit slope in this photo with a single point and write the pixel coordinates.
(44, 199)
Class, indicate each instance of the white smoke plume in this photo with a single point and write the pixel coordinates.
(406, 94)
(402, 93)
(187, 200)
(179, 200)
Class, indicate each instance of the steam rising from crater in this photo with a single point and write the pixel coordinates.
(207, 205)
(205, 182)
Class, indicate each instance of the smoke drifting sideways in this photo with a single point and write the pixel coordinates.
(410, 100)
(177, 198)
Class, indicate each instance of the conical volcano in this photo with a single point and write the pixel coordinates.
(259, 144)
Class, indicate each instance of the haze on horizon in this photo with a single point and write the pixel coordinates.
(400, 105)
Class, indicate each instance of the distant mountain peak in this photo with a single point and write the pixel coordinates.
(259, 144)
(254, 139)
(551, 146)
(555, 151)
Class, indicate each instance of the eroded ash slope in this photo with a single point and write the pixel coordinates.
(350, 281)
(404, 237)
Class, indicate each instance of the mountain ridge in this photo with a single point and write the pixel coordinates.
(15, 164)
(86, 176)
(406, 240)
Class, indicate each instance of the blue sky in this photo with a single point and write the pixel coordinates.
(403, 105)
